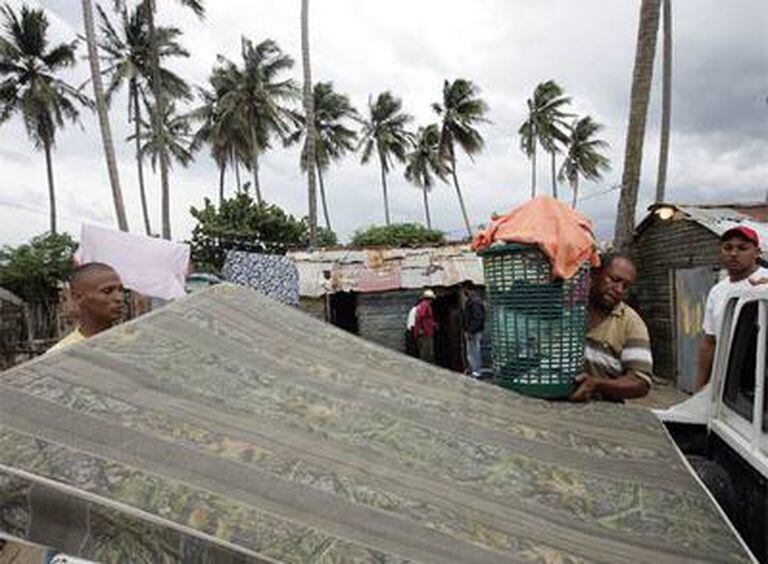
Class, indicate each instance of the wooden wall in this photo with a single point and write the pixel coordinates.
(659, 249)
(381, 317)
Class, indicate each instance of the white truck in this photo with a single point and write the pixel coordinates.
(723, 429)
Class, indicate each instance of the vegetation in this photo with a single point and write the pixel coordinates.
(460, 111)
(242, 223)
(34, 270)
(397, 235)
(385, 135)
(126, 51)
(583, 157)
(545, 126)
(424, 164)
(31, 87)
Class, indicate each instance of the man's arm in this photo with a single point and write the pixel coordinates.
(706, 357)
(627, 386)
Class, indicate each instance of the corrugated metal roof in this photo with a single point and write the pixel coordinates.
(380, 270)
(719, 219)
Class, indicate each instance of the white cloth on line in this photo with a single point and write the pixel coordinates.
(154, 267)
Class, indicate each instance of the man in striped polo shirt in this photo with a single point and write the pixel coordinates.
(618, 361)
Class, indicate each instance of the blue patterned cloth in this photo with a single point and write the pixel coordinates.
(275, 276)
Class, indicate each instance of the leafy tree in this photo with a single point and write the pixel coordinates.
(257, 93)
(583, 157)
(244, 224)
(460, 111)
(544, 125)
(397, 235)
(384, 132)
(33, 271)
(423, 164)
(176, 140)
(30, 86)
(127, 54)
(333, 138)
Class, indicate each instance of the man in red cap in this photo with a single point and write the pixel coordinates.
(739, 252)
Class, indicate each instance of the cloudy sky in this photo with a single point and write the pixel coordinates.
(719, 148)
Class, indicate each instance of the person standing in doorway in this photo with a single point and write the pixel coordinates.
(425, 327)
(473, 321)
(739, 253)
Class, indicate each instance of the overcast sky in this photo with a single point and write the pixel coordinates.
(719, 147)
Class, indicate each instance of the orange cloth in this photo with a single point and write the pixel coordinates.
(563, 234)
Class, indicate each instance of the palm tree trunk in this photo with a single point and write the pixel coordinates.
(101, 109)
(309, 112)
(426, 207)
(134, 94)
(638, 113)
(222, 173)
(458, 191)
(157, 121)
(384, 187)
(322, 197)
(666, 101)
(51, 187)
(554, 176)
(575, 187)
(533, 171)
(255, 163)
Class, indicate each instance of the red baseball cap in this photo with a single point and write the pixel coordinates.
(743, 232)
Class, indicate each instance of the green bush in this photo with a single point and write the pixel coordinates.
(242, 224)
(397, 235)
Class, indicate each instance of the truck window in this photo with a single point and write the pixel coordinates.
(740, 373)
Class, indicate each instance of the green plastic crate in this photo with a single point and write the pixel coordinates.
(538, 325)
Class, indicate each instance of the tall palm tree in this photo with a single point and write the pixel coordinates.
(225, 133)
(333, 138)
(424, 164)
(311, 140)
(384, 132)
(460, 111)
(666, 100)
(101, 109)
(29, 85)
(176, 140)
(583, 156)
(642, 76)
(159, 97)
(544, 125)
(126, 51)
(258, 93)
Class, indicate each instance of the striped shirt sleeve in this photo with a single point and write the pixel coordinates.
(636, 355)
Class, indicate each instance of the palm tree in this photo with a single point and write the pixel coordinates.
(257, 93)
(176, 140)
(127, 55)
(642, 76)
(583, 157)
(159, 97)
(309, 112)
(545, 125)
(460, 111)
(333, 138)
(666, 101)
(424, 163)
(226, 134)
(384, 131)
(29, 85)
(101, 109)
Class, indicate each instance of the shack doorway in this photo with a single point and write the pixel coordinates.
(449, 351)
(343, 308)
